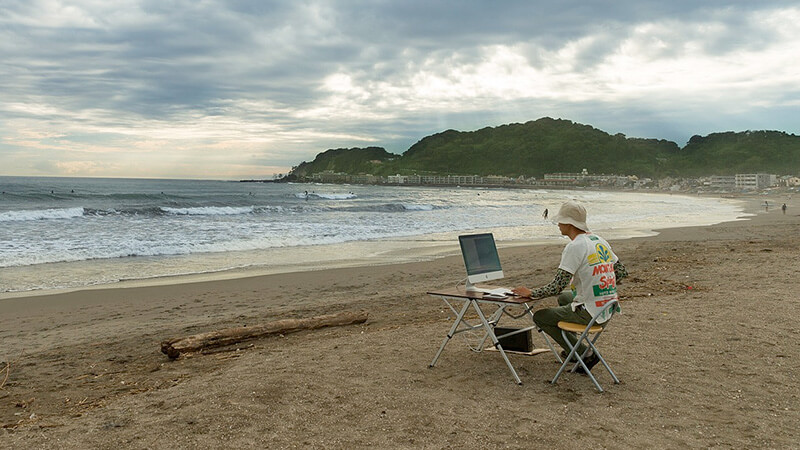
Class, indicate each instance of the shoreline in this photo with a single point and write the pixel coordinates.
(385, 251)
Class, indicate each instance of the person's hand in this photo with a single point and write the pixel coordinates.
(522, 291)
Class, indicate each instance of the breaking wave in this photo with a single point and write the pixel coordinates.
(41, 214)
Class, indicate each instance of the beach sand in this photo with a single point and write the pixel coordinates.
(706, 348)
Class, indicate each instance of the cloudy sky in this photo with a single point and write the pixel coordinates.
(231, 89)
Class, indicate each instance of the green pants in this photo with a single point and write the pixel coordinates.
(547, 319)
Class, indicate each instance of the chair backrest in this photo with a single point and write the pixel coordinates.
(614, 304)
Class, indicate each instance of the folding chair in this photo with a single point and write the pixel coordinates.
(585, 331)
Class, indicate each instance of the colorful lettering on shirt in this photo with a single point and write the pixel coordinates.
(606, 287)
(601, 303)
(603, 268)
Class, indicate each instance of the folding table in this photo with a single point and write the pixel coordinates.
(460, 302)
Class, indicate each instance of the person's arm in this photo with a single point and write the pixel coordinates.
(560, 281)
(620, 271)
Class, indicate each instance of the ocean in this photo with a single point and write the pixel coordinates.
(62, 233)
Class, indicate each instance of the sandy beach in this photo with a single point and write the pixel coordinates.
(705, 348)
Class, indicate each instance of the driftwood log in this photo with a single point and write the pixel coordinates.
(220, 338)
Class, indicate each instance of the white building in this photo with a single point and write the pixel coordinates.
(755, 180)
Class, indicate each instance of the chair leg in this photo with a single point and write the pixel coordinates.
(583, 355)
(573, 352)
(611, 372)
(591, 346)
(549, 344)
(589, 372)
(603, 360)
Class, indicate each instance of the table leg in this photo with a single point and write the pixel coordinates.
(493, 322)
(496, 343)
(452, 331)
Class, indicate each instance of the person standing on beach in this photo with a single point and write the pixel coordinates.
(544, 214)
(591, 268)
(783, 208)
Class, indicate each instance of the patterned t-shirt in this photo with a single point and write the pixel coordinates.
(590, 260)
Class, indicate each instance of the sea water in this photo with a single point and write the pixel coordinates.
(75, 232)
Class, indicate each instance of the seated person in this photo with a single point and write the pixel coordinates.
(592, 269)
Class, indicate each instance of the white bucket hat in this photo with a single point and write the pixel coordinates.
(572, 213)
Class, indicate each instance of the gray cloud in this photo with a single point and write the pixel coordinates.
(285, 80)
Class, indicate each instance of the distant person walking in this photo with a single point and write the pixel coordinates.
(766, 205)
(783, 208)
(544, 214)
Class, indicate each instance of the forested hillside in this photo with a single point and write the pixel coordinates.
(731, 153)
(347, 160)
(535, 148)
(556, 145)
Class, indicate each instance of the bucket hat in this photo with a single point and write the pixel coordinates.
(572, 213)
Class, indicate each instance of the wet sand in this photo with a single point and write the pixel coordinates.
(705, 349)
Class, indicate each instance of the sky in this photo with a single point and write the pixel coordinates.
(237, 89)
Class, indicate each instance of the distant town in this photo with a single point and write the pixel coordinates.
(745, 182)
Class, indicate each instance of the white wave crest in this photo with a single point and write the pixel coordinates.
(325, 196)
(423, 207)
(209, 210)
(41, 214)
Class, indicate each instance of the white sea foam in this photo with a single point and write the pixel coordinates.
(209, 211)
(412, 207)
(325, 196)
(41, 214)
